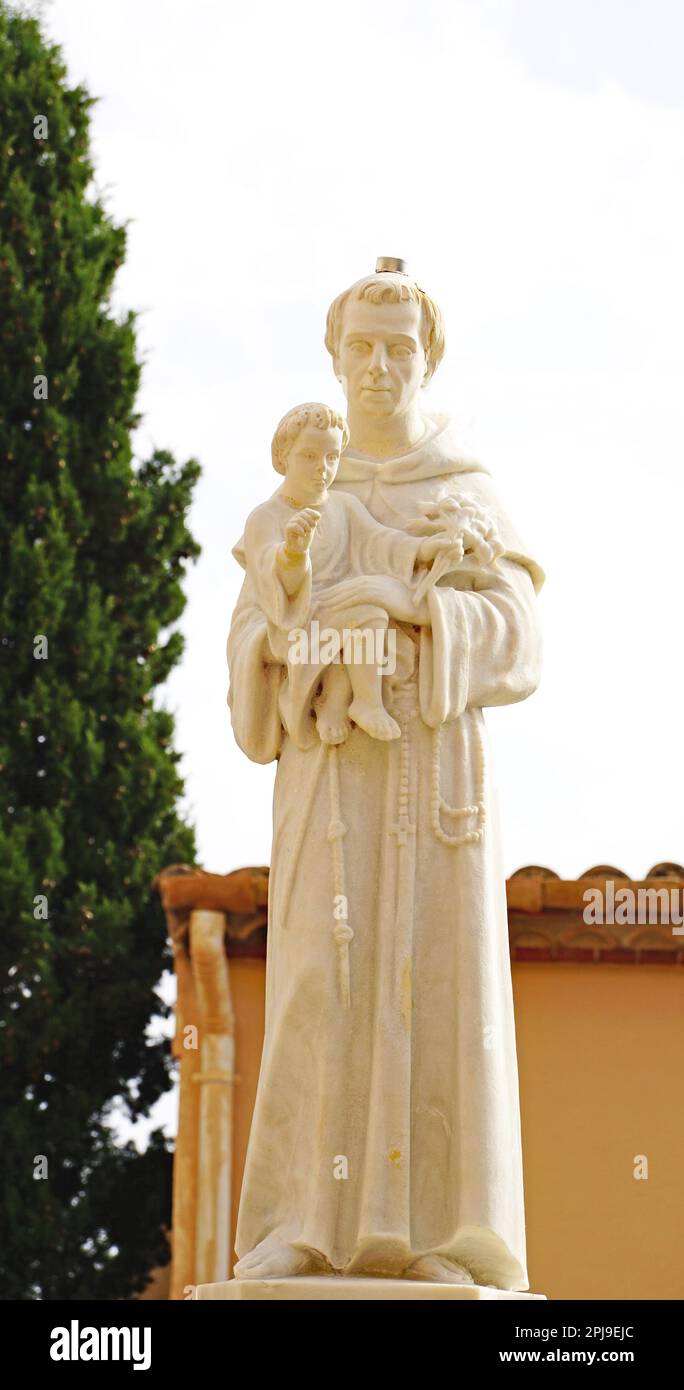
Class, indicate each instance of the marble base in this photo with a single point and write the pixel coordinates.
(333, 1289)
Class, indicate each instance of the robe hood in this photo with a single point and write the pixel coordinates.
(439, 453)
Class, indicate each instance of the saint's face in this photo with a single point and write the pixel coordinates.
(313, 459)
(381, 358)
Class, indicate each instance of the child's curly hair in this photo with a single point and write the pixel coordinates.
(292, 424)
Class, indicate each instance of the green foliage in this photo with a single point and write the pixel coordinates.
(93, 549)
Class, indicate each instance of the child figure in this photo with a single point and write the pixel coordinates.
(314, 554)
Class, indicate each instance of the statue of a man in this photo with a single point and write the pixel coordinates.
(385, 1139)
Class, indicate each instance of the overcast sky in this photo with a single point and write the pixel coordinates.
(526, 158)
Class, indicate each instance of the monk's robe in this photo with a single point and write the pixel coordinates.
(388, 1127)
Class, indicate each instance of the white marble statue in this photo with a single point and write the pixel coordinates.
(385, 1139)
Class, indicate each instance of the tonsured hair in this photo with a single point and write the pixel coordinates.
(389, 288)
(295, 421)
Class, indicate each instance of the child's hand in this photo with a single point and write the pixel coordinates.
(433, 546)
(300, 530)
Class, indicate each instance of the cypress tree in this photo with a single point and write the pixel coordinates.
(93, 549)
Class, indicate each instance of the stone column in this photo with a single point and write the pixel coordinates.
(185, 1172)
(214, 1079)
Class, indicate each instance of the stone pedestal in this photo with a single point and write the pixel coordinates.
(348, 1290)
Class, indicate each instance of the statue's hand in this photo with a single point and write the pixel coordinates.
(299, 531)
(441, 545)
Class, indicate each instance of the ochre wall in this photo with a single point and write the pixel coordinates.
(601, 1059)
(600, 1054)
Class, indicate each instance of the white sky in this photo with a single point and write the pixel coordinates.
(526, 158)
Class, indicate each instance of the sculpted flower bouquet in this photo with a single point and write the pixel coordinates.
(472, 531)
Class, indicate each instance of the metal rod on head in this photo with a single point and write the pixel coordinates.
(390, 265)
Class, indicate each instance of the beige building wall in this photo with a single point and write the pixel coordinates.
(601, 1058)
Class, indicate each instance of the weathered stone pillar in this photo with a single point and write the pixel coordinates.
(214, 1079)
(185, 1170)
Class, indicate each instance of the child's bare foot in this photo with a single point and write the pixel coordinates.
(374, 719)
(332, 727)
(331, 706)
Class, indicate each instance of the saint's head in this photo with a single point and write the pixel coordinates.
(386, 338)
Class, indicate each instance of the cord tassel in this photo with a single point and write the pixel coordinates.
(439, 807)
